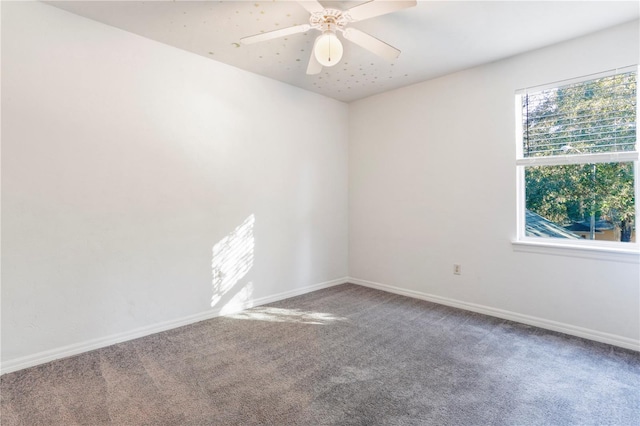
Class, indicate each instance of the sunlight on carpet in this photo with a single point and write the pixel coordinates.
(286, 315)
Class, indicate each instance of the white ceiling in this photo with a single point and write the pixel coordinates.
(435, 37)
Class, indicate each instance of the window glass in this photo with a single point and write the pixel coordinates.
(588, 201)
(591, 116)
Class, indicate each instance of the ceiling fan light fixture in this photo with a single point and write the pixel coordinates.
(328, 49)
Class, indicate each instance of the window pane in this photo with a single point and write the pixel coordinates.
(591, 116)
(591, 201)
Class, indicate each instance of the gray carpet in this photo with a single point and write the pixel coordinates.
(346, 355)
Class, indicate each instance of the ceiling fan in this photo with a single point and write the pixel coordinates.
(327, 48)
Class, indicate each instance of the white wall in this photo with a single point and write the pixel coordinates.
(125, 161)
(432, 183)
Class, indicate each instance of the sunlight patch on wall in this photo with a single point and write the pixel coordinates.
(287, 315)
(231, 261)
(241, 300)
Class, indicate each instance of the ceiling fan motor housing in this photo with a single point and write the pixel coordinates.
(329, 20)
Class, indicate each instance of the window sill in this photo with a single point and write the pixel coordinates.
(574, 250)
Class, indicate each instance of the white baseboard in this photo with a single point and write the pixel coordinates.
(89, 345)
(78, 348)
(573, 330)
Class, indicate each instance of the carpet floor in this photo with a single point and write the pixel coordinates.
(346, 355)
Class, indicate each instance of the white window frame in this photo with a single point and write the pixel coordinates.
(593, 249)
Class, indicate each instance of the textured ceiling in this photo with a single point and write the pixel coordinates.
(435, 37)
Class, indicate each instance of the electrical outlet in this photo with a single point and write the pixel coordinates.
(457, 269)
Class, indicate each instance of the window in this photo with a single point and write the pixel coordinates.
(577, 161)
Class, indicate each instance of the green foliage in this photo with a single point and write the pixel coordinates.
(591, 117)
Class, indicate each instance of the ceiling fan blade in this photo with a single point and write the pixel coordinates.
(376, 8)
(314, 66)
(312, 6)
(371, 43)
(275, 34)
